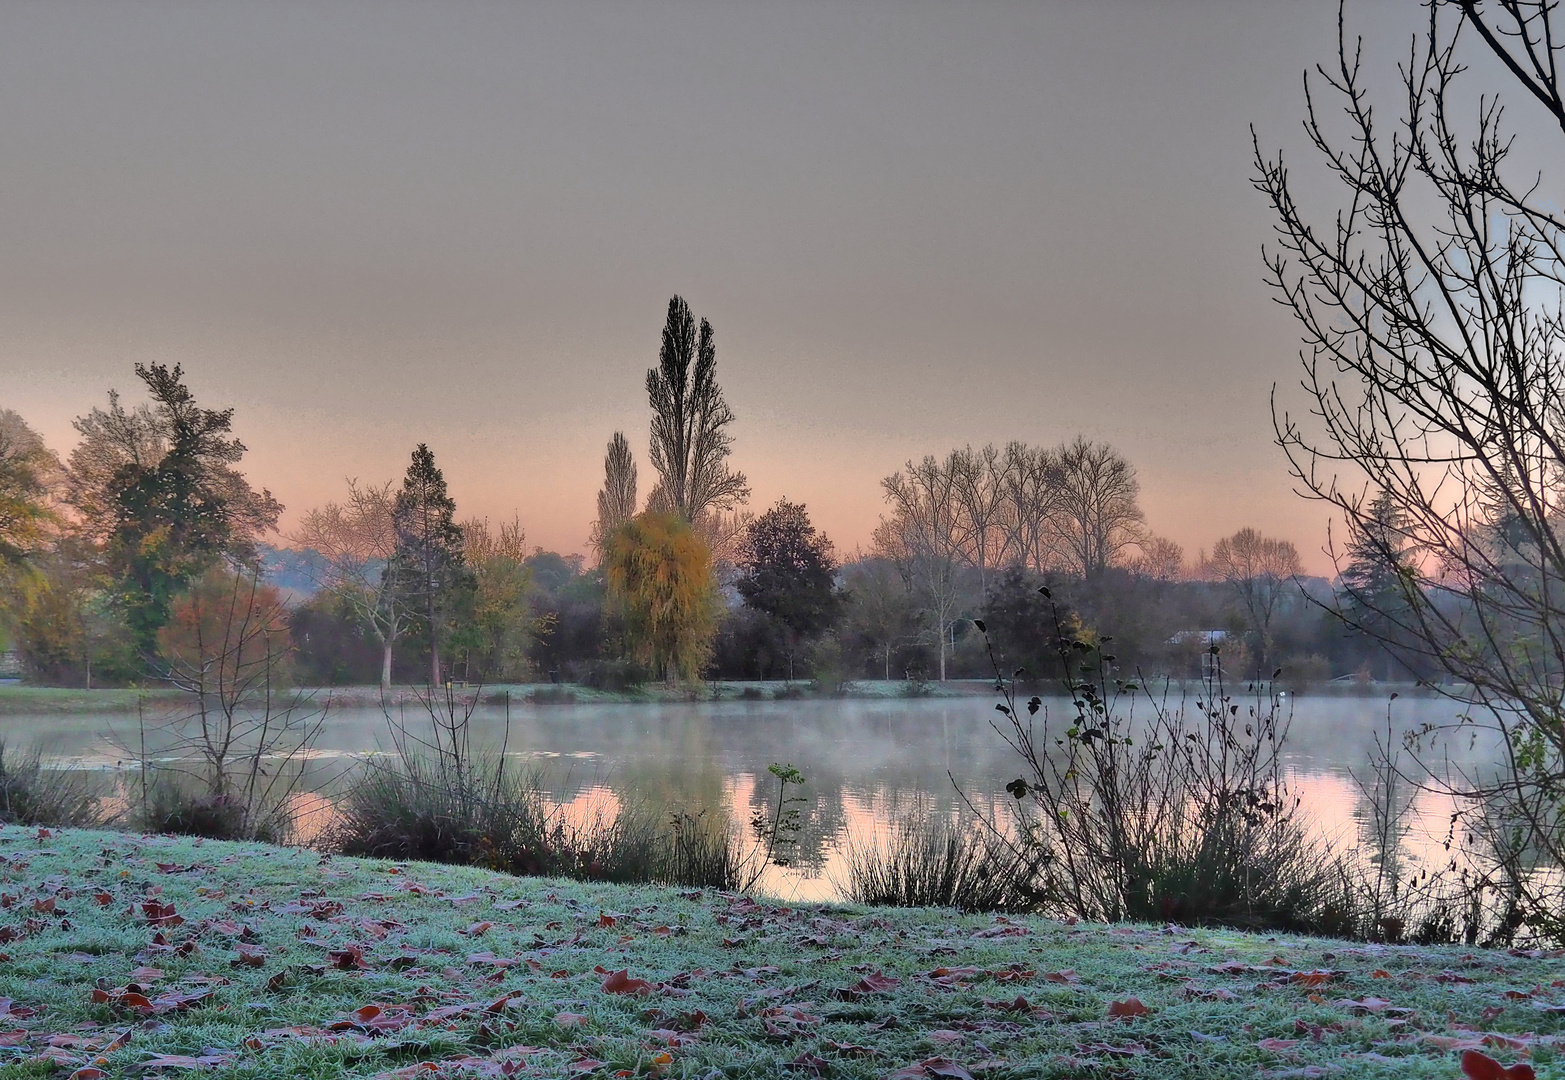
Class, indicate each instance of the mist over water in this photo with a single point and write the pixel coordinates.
(868, 763)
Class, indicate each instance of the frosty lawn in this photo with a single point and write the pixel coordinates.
(127, 955)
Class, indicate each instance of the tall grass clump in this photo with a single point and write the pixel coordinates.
(932, 861)
(32, 794)
(1173, 815)
(434, 799)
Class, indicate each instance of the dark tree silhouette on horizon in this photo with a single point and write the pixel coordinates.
(690, 440)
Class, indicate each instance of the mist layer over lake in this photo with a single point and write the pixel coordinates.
(868, 763)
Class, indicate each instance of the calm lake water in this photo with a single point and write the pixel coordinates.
(868, 763)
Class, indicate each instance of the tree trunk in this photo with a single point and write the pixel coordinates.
(942, 651)
(434, 665)
(385, 665)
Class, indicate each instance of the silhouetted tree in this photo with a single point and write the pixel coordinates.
(1258, 568)
(1430, 309)
(617, 498)
(788, 572)
(1097, 513)
(923, 538)
(690, 441)
(428, 564)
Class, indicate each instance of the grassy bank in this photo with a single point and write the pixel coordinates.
(17, 700)
(126, 953)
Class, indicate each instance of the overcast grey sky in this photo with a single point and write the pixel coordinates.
(912, 226)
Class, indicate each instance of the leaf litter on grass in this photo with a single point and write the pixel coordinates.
(129, 955)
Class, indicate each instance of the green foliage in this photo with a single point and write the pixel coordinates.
(659, 575)
(173, 518)
(429, 566)
(26, 468)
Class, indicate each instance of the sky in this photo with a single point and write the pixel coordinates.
(912, 226)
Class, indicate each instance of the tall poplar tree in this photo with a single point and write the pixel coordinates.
(690, 441)
(429, 564)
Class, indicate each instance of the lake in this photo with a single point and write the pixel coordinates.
(867, 763)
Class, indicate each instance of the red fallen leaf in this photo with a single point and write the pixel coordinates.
(1277, 1046)
(606, 920)
(1368, 1004)
(87, 1072)
(1128, 1008)
(350, 958)
(936, 1066)
(1012, 975)
(848, 1049)
(146, 975)
(478, 929)
(1201, 993)
(125, 999)
(620, 982)
(946, 1035)
(1068, 977)
(374, 1019)
(874, 983)
(249, 956)
(570, 1019)
(104, 898)
(45, 906)
(160, 914)
(811, 1063)
(1478, 1066)
(209, 1059)
(948, 972)
(14, 1038)
(491, 959)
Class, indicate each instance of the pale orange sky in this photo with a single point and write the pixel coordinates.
(913, 227)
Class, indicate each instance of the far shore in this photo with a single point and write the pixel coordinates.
(20, 699)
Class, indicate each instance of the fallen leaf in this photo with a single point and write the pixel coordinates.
(1478, 1066)
(1128, 1008)
(620, 982)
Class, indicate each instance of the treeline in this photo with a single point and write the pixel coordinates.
(117, 560)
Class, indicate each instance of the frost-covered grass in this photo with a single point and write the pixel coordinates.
(246, 960)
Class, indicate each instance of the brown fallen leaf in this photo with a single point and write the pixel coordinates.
(1128, 1008)
(620, 982)
(936, 1066)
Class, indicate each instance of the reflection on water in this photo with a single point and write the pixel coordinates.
(869, 764)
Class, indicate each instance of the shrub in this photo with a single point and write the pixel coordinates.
(611, 674)
(1173, 816)
(172, 805)
(932, 861)
(31, 794)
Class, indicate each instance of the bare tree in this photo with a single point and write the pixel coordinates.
(358, 539)
(1098, 516)
(976, 483)
(1258, 568)
(1161, 559)
(617, 499)
(690, 440)
(922, 537)
(1029, 501)
(1431, 315)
